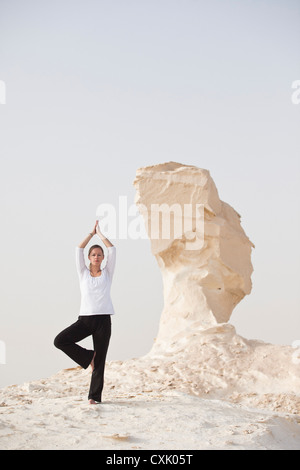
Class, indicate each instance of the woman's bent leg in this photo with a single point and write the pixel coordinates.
(101, 338)
(67, 339)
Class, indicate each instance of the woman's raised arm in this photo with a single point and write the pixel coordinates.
(88, 238)
(105, 240)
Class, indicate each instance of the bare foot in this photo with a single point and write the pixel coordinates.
(92, 363)
(92, 402)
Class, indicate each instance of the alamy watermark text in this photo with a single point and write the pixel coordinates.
(155, 221)
(2, 352)
(2, 92)
(296, 94)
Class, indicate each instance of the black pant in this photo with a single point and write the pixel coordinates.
(100, 327)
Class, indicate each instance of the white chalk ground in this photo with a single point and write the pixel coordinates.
(208, 390)
(54, 413)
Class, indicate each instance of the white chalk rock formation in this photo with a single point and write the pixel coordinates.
(206, 268)
(203, 253)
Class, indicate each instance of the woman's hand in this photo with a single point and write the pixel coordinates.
(94, 231)
(98, 231)
(106, 242)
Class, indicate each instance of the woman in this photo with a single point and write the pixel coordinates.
(95, 311)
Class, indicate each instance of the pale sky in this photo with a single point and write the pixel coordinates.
(97, 89)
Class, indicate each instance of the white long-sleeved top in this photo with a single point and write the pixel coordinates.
(95, 291)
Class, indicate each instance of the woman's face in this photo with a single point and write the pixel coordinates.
(96, 257)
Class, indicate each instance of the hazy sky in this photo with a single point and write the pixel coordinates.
(97, 89)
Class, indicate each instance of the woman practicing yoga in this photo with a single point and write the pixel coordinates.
(95, 311)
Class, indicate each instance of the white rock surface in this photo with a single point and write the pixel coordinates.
(136, 413)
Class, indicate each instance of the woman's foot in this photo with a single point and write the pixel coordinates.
(92, 363)
(92, 402)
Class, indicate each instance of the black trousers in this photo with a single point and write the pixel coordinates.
(99, 326)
